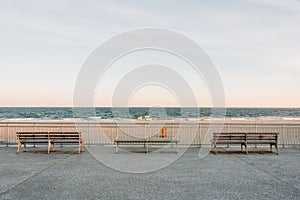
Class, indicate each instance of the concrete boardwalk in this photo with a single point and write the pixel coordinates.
(68, 175)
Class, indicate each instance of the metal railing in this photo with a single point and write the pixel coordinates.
(187, 133)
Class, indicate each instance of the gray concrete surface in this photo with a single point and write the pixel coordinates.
(230, 175)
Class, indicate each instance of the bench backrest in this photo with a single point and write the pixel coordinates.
(262, 136)
(248, 136)
(48, 135)
(32, 135)
(65, 135)
(229, 136)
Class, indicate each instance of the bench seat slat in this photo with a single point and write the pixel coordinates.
(231, 141)
(34, 141)
(145, 141)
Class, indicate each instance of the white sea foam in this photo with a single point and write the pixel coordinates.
(291, 118)
(141, 119)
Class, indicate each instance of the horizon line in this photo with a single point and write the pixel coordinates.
(297, 107)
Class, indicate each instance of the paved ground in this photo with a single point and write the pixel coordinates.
(66, 175)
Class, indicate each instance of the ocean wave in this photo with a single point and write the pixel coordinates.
(144, 114)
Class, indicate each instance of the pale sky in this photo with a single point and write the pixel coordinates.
(254, 44)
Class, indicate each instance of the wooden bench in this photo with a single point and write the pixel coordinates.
(49, 138)
(229, 138)
(245, 139)
(145, 142)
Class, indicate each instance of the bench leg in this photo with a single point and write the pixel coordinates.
(276, 146)
(215, 148)
(82, 146)
(24, 147)
(19, 147)
(271, 147)
(117, 148)
(246, 147)
(49, 147)
(241, 147)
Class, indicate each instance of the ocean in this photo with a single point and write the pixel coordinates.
(143, 113)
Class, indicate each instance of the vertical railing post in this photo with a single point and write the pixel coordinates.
(89, 135)
(117, 132)
(62, 131)
(298, 136)
(146, 137)
(282, 135)
(145, 132)
(7, 132)
(255, 131)
(227, 132)
(176, 136)
(170, 131)
(200, 129)
(34, 130)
